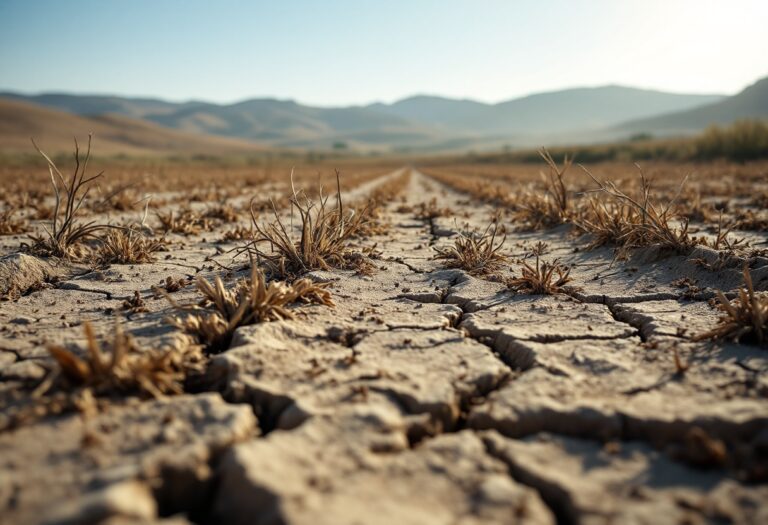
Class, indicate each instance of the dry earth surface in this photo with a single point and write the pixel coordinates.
(425, 395)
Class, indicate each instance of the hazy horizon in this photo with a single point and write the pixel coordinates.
(348, 54)
(286, 99)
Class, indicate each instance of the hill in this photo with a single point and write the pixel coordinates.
(415, 123)
(751, 103)
(549, 113)
(53, 130)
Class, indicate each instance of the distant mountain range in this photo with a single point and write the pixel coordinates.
(751, 103)
(428, 123)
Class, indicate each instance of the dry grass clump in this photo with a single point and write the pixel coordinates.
(238, 233)
(746, 318)
(184, 221)
(66, 233)
(222, 212)
(722, 240)
(117, 199)
(609, 223)
(250, 301)
(135, 303)
(127, 246)
(117, 368)
(322, 243)
(476, 252)
(10, 225)
(630, 222)
(551, 209)
(170, 285)
(752, 220)
(542, 279)
(426, 211)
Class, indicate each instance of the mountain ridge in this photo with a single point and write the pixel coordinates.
(419, 122)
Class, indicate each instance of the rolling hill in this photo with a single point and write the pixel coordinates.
(752, 103)
(415, 123)
(545, 113)
(419, 123)
(54, 130)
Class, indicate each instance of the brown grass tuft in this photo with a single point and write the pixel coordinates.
(746, 318)
(475, 252)
(637, 222)
(10, 225)
(551, 209)
(65, 235)
(322, 243)
(542, 279)
(107, 370)
(127, 246)
(426, 211)
(250, 301)
(184, 221)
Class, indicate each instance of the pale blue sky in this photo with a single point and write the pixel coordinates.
(355, 52)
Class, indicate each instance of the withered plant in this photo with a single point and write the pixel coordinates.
(184, 221)
(170, 285)
(322, 243)
(250, 301)
(722, 241)
(112, 369)
(639, 222)
(127, 246)
(222, 211)
(745, 318)
(135, 303)
(542, 279)
(238, 233)
(426, 211)
(479, 253)
(9, 225)
(536, 210)
(609, 223)
(66, 233)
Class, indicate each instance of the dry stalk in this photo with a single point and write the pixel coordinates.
(250, 301)
(477, 253)
(745, 318)
(542, 279)
(322, 243)
(65, 236)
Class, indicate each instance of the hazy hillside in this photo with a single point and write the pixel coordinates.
(100, 104)
(752, 102)
(421, 122)
(284, 122)
(553, 112)
(54, 130)
(427, 123)
(464, 115)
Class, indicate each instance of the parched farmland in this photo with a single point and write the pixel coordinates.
(436, 342)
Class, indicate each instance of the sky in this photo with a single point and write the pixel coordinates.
(330, 53)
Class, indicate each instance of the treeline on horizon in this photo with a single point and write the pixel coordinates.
(742, 141)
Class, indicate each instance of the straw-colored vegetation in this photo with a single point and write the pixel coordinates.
(250, 301)
(323, 239)
(542, 278)
(479, 253)
(127, 246)
(65, 235)
(743, 319)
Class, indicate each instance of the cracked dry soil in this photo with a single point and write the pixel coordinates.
(426, 396)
